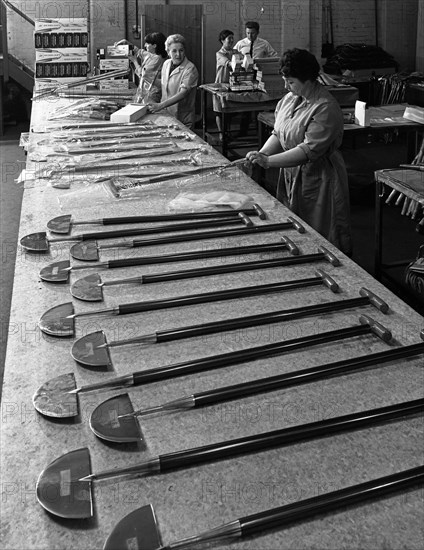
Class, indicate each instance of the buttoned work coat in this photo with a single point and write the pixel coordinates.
(317, 190)
(183, 77)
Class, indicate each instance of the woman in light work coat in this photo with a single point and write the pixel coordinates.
(179, 83)
(307, 133)
(223, 66)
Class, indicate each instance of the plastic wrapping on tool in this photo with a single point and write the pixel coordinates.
(125, 187)
(83, 197)
(99, 109)
(110, 144)
(128, 188)
(24, 140)
(189, 202)
(103, 138)
(142, 141)
(95, 165)
(95, 157)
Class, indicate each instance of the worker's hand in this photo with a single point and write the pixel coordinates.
(134, 60)
(121, 42)
(154, 107)
(255, 157)
(125, 42)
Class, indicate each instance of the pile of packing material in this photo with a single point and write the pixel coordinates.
(267, 75)
(61, 52)
(114, 58)
(414, 113)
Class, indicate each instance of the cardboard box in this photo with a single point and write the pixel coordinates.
(118, 64)
(362, 114)
(61, 33)
(67, 24)
(44, 84)
(121, 50)
(113, 85)
(129, 113)
(64, 55)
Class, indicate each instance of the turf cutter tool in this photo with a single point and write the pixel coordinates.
(64, 224)
(58, 272)
(58, 397)
(139, 529)
(39, 242)
(89, 250)
(70, 478)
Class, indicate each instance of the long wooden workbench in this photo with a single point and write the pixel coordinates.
(188, 501)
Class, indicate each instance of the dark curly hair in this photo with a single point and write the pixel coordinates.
(223, 35)
(299, 64)
(159, 39)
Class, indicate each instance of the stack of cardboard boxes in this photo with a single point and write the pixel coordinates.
(242, 75)
(114, 58)
(268, 76)
(61, 52)
(258, 74)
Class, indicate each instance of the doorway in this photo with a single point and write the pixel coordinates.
(179, 19)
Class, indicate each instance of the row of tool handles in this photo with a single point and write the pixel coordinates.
(410, 207)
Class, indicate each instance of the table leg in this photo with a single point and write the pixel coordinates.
(378, 257)
(203, 101)
(224, 122)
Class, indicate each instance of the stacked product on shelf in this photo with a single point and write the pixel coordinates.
(242, 75)
(114, 58)
(267, 75)
(61, 51)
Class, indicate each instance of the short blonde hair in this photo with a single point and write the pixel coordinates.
(174, 39)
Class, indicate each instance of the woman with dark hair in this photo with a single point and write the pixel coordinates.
(223, 65)
(179, 83)
(307, 132)
(148, 65)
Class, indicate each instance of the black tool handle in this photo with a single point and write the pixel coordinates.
(158, 229)
(286, 436)
(336, 500)
(197, 255)
(178, 216)
(258, 320)
(249, 354)
(215, 234)
(304, 376)
(217, 270)
(178, 301)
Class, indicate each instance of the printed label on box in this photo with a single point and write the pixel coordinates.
(67, 54)
(46, 25)
(110, 85)
(121, 50)
(113, 64)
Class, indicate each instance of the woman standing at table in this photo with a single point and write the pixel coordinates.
(179, 83)
(223, 66)
(307, 133)
(148, 65)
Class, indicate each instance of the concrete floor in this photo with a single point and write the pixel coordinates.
(398, 229)
(12, 160)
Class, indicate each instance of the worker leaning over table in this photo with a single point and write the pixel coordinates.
(179, 83)
(307, 133)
